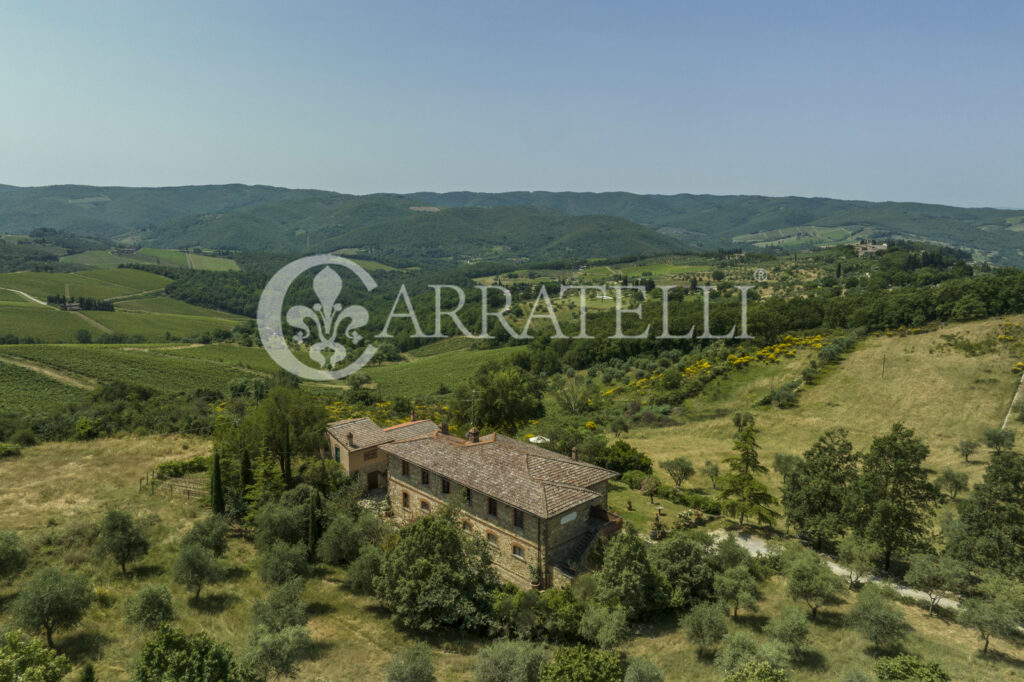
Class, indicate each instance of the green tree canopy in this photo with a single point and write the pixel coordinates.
(502, 398)
(896, 500)
(29, 660)
(121, 539)
(627, 578)
(817, 493)
(436, 575)
(172, 655)
(51, 600)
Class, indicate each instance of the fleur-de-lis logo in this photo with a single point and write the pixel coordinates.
(320, 324)
(327, 316)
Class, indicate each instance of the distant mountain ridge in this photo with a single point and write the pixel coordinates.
(528, 225)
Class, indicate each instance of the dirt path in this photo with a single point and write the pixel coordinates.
(50, 372)
(188, 259)
(757, 545)
(105, 330)
(28, 296)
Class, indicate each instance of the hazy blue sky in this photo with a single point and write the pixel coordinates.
(874, 100)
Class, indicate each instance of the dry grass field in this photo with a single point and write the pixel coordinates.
(942, 393)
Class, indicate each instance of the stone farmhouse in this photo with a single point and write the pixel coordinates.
(542, 513)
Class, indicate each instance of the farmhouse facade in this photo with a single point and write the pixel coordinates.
(541, 512)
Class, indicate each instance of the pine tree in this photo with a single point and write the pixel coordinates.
(216, 486)
(742, 491)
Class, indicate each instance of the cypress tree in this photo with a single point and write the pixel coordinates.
(216, 486)
(313, 532)
(246, 469)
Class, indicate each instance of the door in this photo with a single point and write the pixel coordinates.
(372, 480)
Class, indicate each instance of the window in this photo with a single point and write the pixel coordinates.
(517, 552)
(405, 468)
(492, 506)
(405, 500)
(337, 454)
(424, 506)
(493, 539)
(517, 518)
(467, 527)
(424, 477)
(367, 456)
(446, 487)
(469, 496)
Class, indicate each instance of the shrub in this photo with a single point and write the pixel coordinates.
(282, 562)
(23, 658)
(173, 655)
(790, 628)
(507, 661)
(211, 533)
(283, 608)
(412, 664)
(642, 670)
(634, 478)
(908, 667)
(582, 663)
(606, 627)
(275, 653)
(150, 607)
(705, 625)
(360, 573)
(13, 555)
(279, 522)
(178, 468)
(339, 544)
(8, 450)
(875, 618)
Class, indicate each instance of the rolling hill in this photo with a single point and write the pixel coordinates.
(528, 225)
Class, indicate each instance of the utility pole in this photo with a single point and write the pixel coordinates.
(883, 365)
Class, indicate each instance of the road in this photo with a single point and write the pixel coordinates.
(757, 545)
(28, 296)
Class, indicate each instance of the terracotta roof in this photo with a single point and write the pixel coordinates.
(528, 477)
(364, 432)
(415, 429)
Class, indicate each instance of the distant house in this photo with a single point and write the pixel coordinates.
(864, 248)
(541, 512)
(354, 443)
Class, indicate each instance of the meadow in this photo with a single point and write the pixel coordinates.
(926, 384)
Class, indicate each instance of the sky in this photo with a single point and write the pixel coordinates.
(907, 101)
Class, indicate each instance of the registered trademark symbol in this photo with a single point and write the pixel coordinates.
(761, 275)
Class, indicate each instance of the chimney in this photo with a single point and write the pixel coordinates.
(574, 452)
(474, 435)
(351, 442)
(444, 428)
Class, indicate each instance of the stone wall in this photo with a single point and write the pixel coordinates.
(499, 530)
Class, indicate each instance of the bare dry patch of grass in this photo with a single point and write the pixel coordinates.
(67, 479)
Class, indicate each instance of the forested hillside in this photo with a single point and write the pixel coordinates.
(472, 225)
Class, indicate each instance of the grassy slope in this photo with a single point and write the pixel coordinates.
(926, 385)
(53, 489)
(422, 377)
(90, 283)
